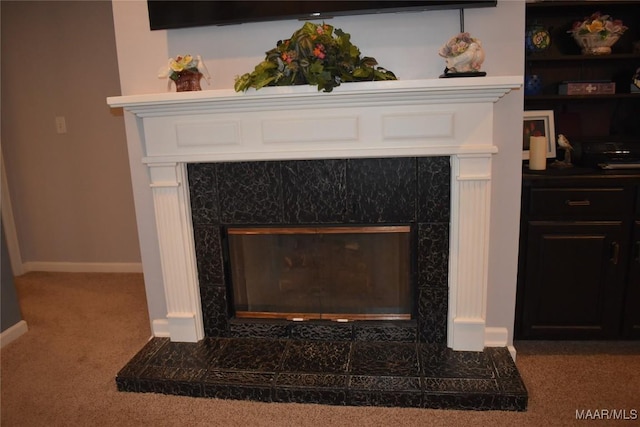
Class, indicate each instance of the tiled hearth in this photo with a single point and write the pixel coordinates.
(350, 372)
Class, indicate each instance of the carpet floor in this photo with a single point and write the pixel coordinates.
(83, 328)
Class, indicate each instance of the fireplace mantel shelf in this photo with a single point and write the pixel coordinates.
(458, 90)
(437, 117)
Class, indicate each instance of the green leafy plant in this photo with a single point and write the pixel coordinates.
(314, 55)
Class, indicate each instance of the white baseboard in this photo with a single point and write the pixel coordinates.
(13, 333)
(498, 337)
(495, 337)
(83, 267)
(160, 328)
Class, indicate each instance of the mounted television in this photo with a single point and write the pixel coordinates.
(182, 14)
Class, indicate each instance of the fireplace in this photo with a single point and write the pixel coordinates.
(450, 118)
(408, 154)
(323, 272)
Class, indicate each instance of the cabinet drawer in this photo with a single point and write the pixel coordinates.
(577, 202)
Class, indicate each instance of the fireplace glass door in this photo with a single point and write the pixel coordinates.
(336, 273)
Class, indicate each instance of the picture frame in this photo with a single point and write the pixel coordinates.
(538, 123)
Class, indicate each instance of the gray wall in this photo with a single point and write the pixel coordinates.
(71, 193)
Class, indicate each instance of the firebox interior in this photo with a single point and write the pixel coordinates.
(321, 272)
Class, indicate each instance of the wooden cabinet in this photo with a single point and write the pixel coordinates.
(578, 274)
(573, 279)
(593, 118)
(632, 313)
(632, 309)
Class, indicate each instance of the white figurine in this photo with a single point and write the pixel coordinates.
(469, 60)
(462, 54)
(564, 143)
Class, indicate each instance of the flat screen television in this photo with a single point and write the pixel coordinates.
(165, 14)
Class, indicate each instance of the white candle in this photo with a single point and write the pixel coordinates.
(538, 153)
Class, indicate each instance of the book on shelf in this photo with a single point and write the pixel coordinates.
(584, 87)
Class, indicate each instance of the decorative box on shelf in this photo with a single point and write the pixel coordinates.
(592, 87)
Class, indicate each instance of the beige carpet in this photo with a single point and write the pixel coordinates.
(84, 327)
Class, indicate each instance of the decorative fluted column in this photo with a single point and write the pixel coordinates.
(177, 253)
(469, 249)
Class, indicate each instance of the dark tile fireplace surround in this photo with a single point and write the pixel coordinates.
(386, 363)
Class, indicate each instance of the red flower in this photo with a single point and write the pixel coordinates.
(318, 52)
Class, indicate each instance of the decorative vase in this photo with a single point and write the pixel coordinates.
(532, 84)
(188, 81)
(594, 44)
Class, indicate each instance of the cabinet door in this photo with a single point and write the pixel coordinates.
(573, 281)
(632, 313)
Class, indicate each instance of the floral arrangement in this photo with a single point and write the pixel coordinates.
(600, 24)
(463, 53)
(315, 55)
(180, 64)
(186, 71)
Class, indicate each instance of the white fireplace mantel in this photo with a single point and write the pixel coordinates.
(440, 117)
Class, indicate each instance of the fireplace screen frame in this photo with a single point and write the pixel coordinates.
(408, 313)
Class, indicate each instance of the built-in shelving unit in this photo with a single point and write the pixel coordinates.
(586, 118)
(579, 259)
